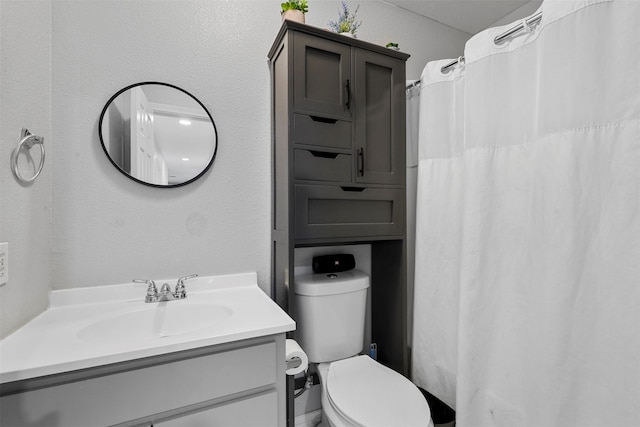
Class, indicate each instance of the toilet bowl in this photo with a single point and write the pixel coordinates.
(356, 390)
(361, 392)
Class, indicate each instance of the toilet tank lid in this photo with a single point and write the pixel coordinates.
(331, 284)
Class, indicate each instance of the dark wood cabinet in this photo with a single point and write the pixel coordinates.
(338, 131)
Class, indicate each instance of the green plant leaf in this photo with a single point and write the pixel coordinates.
(300, 5)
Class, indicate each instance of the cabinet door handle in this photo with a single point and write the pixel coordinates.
(361, 161)
(347, 88)
(324, 120)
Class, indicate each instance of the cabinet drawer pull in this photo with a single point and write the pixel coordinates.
(323, 154)
(361, 161)
(323, 120)
(347, 88)
(354, 189)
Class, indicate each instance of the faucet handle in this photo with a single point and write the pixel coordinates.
(152, 290)
(183, 278)
(181, 291)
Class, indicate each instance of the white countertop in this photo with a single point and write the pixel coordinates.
(66, 337)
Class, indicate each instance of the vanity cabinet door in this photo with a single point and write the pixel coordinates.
(380, 119)
(322, 77)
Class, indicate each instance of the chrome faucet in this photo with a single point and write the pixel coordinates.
(165, 293)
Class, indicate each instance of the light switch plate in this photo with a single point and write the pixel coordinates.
(4, 263)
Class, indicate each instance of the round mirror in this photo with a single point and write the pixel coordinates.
(158, 134)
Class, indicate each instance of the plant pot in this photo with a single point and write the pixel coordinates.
(293, 15)
(347, 33)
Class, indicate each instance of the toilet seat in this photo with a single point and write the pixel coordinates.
(369, 394)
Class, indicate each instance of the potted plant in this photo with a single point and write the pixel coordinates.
(294, 10)
(346, 23)
(392, 45)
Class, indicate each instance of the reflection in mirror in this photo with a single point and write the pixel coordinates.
(158, 134)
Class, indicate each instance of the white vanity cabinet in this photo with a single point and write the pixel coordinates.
(233, 384)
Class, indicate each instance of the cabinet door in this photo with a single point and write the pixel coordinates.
(380, 118)
(321, 76)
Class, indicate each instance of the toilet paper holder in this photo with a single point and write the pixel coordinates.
(295, 357)
(293, 363)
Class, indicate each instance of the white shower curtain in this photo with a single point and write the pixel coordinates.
(413, 117)
(438, 232)
(527, 299)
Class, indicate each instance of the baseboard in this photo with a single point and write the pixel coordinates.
(309, 419)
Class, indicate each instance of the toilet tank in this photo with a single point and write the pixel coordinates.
(330, 311)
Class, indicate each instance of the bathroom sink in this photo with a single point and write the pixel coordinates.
(158, 320)
(93, 326)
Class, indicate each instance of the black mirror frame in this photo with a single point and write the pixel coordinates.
(104, 147)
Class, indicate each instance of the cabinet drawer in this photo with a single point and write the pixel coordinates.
(315, 130)
(260, 410)
(130, 395)
(322, 166)
(333, 211)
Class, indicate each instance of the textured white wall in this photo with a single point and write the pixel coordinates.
(83, 223)
(109, 229)
(522, 12)
(25, 211)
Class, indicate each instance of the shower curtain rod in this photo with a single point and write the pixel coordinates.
(497, 40)
(502, 37)
(534, 19)
(413, 84)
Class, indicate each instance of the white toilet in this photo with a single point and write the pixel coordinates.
(356, 390)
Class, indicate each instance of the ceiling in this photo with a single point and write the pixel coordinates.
(470, 16)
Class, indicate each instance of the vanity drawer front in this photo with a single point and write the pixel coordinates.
(259, 410)
(336, 212)
(141, 393)
(322, 166)
(316, 130)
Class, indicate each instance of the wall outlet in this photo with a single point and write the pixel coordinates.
(4, 263)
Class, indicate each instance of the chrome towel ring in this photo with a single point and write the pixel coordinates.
(27, 140)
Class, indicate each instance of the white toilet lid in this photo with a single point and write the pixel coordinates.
(370, 394)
